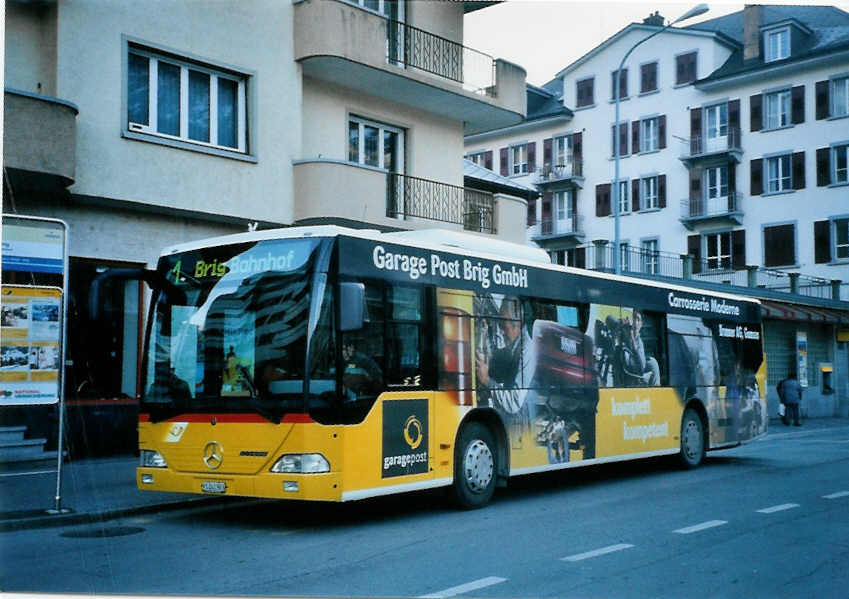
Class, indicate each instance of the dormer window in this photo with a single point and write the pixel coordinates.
(777, 44)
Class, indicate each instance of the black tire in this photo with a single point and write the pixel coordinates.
(693, 442)
(475, 466)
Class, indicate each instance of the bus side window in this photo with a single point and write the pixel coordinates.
(404, 336)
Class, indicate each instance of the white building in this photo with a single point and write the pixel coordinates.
(145, 124)
(734, 144)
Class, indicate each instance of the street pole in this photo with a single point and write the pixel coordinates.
(617, 263)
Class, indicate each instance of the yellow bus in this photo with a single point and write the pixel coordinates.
(325, 363)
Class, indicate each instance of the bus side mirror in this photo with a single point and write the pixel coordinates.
(352, 306)
(151, 277)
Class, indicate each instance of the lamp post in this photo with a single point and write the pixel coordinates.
(695, 11)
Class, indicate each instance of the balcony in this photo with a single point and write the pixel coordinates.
(701, 210)
(700, 147)
(563, 229)
(39, 141)
(344, 192)
(343, 44)
(572, 171)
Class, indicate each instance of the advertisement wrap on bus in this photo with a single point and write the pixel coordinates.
(336, 365)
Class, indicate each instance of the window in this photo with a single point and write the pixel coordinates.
(716, 121)
(718, 251)
(563, 204)
(685, 68)
(562, 150)
(777, 109)
(841, 238)
(778, 174)
(623, 139)
(716, 181)
(624, 200)
(777, 44)
(648, 135)
(649, 256)
(375, 144)
(840, 164)
(478, 158)
(519, 159)
(780, 245)
(584, 93)
(623, 84)
(624, 256)
(840, 97)
(648, 78)
(385, 7)
(186, 101)
(648, 193)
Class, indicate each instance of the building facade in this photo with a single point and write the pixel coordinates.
(732, 151)
(141, 132)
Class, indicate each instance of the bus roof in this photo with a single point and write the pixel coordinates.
(444, 241)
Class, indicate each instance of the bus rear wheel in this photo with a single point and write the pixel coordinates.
(474, 466)
(692, 439)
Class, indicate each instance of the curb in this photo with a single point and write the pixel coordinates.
(50, 520)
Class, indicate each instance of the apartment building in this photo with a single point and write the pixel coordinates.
(147, 124)
(732, 148)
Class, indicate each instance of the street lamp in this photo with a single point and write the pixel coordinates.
(695, 11)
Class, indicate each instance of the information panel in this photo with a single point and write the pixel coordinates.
(30, 345)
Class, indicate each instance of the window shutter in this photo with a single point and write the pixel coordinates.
(695, 125)
(797, 104)
(756, 118)
(635, 137)
(581, 257)
(546, 153)
(823, 167)
(644, 78)
(738, 249)
(798, 170)
(623, 139)
(635, 195)
(822, 241)
(532, 212)
(487, 159)
(613, 140)
(821, 91)
(694, 249)
(602, 199)
(504, 163)
(661, 191)
(661, 131)
(734, 116)
(577, 145)
(757, 177)
(546, 205)
(732, 177)
(695, 185)
(532, 156)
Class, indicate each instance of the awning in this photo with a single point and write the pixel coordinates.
(800, 313)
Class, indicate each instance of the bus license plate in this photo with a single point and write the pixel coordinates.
(213, 486)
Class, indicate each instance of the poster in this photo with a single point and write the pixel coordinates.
(802, 357)
(30, 345)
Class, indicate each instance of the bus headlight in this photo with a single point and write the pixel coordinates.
(301, 463)
(151, 459)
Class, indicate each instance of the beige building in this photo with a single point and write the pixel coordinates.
(147, 124)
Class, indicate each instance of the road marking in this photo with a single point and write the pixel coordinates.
(698, 527)
(596, 553)
(836, 495)
(778, 508)
(465, 588)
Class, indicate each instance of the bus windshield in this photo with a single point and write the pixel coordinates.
(232, 331)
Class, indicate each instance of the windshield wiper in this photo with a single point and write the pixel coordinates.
(257, 400)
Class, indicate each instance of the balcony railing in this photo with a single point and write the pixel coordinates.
(414, 47)
(551, 173)
(550, 227)
(699, 145)
(702, 207)
(413, 197)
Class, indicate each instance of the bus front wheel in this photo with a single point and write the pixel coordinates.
(474, 466)
(692, 439)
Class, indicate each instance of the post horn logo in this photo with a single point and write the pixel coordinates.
(413, 432)
(213, 455)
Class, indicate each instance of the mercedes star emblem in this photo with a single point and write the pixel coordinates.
(213, 455)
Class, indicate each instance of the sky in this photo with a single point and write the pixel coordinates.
(544, 36)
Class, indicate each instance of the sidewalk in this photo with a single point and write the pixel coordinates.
(99, 489)
(94, 489)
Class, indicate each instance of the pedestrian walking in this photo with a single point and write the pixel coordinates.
(790, 393)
